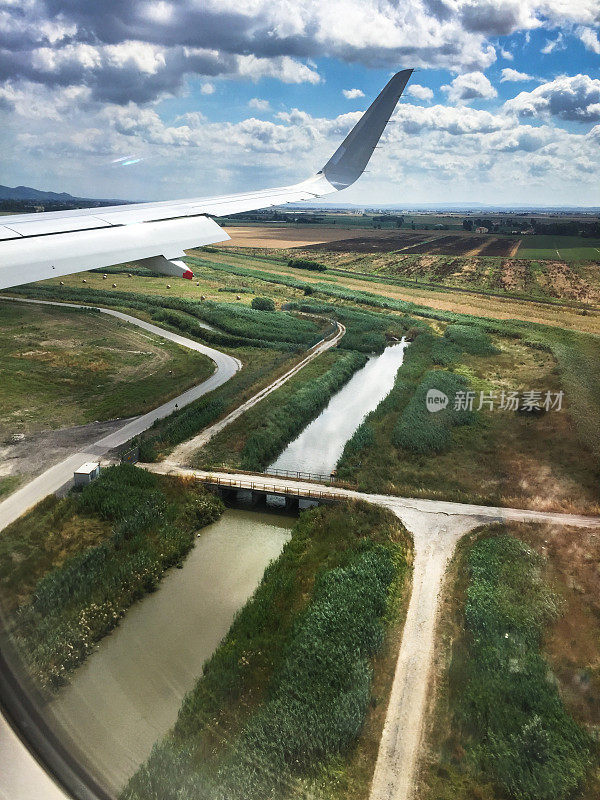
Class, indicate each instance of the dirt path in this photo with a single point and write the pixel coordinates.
(434, 536)
(183, 452)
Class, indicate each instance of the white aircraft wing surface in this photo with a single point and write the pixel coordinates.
(34, 247)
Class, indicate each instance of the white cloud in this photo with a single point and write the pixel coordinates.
(420, 92)
(456, 121)
(207, 88)
(352, 94)
(506, 54)
(514, 75)
(284, 68)
(429, 152)
(469, 86)
(88, 82)
(553, 44)
(589, 39)
(574, 97)
(259, 105)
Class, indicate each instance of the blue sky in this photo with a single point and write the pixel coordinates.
(153, 99)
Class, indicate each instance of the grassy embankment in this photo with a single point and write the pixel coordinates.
(71, 567)
(66, 367)
(500, 457)
(503, 725)
(257, 437)
(292, 702)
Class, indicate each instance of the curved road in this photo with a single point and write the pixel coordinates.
(50, 481)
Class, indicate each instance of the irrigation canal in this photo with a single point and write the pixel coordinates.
(126, 695)
(319, 446)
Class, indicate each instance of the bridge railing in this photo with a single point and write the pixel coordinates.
(321, 477)
(260, 486)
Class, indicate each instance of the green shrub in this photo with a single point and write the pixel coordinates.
(471, 339)
(444, 352)
(263, 304)
(77, 603)
(320, 696)
(303, 263)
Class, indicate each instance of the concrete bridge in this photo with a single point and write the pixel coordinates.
(255, 490)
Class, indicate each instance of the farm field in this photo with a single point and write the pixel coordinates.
(437, 294)
(432, 260)
(567, 248)
(542, 634)
(67, 367)
(345, 239)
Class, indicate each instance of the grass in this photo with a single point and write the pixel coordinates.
(236, 325)
(260, 368)
(420, 430)
(74, 367)
(8, 484)
(288, 692)
(256, 438)
(71, 568)
(501, 729)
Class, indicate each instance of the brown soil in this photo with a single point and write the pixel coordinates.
(287, 237)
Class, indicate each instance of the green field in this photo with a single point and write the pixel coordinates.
(64, 367)
(562, 248)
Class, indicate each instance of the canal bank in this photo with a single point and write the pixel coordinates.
(127, 695)
(319, 446)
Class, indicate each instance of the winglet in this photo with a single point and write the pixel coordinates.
(352, 156)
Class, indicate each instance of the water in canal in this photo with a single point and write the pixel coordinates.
(127, 694)
(319, 447)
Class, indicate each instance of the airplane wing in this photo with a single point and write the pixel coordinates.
(34, 247)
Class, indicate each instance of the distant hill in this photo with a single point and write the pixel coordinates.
(25, 193)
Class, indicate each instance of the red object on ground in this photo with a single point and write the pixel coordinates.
(189, 275)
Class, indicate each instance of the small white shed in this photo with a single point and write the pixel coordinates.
(86, 473)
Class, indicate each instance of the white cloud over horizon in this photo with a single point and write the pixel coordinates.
(81, 82)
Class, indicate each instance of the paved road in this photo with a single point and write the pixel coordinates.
(50, 481)
(436, 527)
